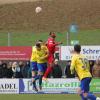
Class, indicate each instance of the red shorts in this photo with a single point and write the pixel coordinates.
(50, 59)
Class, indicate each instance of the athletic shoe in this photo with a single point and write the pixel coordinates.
(97, 98)
(35, 89)
(40, 88)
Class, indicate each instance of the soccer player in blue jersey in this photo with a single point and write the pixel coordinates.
(80, 65)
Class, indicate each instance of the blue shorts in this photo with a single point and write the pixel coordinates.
(85, 84)
(34, 66)
(42, 67)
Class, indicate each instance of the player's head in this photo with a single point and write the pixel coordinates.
(38, 46)
(77, 48)
(40, 41)
(52, 34)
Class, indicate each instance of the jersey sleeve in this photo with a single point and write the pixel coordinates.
(33, 54)
(52, 43)
(72, 67)
(46, 51)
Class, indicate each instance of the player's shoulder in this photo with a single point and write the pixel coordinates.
(34, 48)
(50, 39)
(74, 56)
(44, 47)
(77, 56)
(83, 56)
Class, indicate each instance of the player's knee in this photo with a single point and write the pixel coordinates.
(51, 64)
(33, 79)
(40, 73)
(85, 95)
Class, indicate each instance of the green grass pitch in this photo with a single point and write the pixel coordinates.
(40, 96)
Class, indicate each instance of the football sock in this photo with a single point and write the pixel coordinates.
(36, 77)
(40, 80)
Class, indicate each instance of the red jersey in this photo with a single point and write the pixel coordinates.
(51, 45)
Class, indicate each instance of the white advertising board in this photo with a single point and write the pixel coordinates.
(52, 86)
(9, 86)
(91, 52)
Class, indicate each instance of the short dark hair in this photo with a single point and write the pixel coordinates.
(38, 45)
(77, 48)
(51, 33)
(40, 40)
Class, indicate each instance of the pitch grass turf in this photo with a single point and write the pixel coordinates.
(85, 37)
(40, 96)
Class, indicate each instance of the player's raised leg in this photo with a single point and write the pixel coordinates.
(85, 86)
(51, 44)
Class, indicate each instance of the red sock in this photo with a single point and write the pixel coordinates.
(49, 70)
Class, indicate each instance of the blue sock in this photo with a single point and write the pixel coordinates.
(40, 80)
(91, 96)
(36, 77)
(82, 97)
(34, 82)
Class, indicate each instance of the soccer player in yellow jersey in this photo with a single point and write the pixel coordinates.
(44, 48)
(33, 63)
(41, 56)
(43, 45)
(80, 65)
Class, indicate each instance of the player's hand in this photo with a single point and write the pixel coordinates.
(60, 43)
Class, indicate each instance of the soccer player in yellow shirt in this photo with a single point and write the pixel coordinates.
(43, 45)
(44, 48)
(41, 56)
(33, 63)
(80, 65)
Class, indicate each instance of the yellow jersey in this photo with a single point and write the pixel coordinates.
(33, 56)
(80, 64)
(45, 48)
(42, 54)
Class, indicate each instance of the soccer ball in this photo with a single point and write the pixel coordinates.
(38, 9)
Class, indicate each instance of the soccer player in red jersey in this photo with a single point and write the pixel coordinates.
(51, 44)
